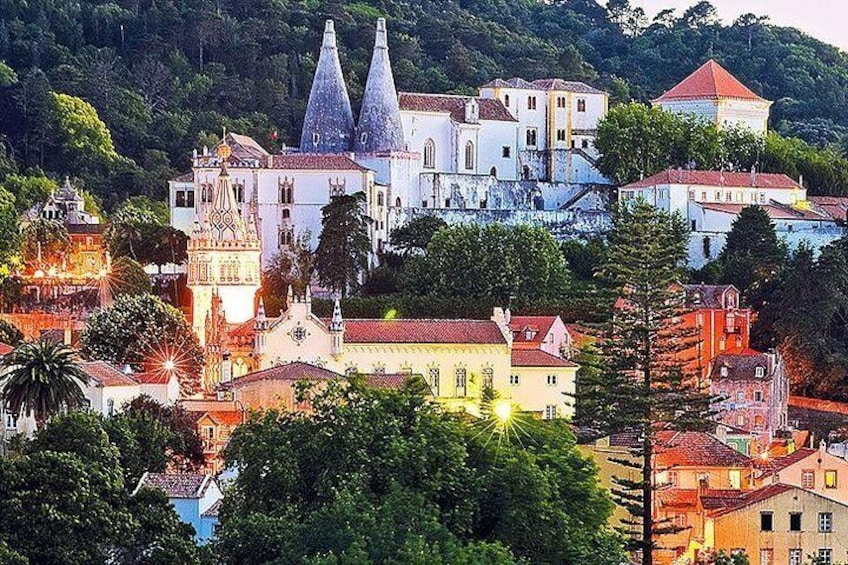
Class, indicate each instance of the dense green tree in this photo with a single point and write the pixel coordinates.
(291, 267)
(752, 255)
(86, 140)
(144, 332)
(28, 190)
(344, 245)
(42, 379)
(414, 236)
(644, 384)
(500, 263)
(44, 242)
(128, 277)
(584, 258)
(377, 500)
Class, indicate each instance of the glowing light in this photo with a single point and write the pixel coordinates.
(764, 455)
(503, 411)
(169, 365)
(391, 314)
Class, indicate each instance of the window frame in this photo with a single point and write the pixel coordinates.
(767, 519)
(825, 522)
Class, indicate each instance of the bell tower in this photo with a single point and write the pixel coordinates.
(223, 257)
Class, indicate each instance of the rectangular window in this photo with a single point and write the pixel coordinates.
(189, 199)
(795, 556)
(488, 378)
(766, 556)
(795, 522)
(506, 151)
(681, 521)
(825, 522)
(704, 196)
(461, 381)
(691, 195)
(766, 522)
(672, 478)
(433, 380)
(514, 380)
(729, 196)
(560, 135)
(581, 105)
(531, 102)
(808, 479)
(758, 396)
(552, 380)
(550, 412)
(735, 479)
(825, 556)
(740, 396)
(531, 137)
(181, 199)
(830, 479)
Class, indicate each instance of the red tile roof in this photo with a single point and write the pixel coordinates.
(695, 449)
(154, 377)
(741, 364)
(222, 417)
(710, 81)
(712, 499)
(394, 381)
(423, 331)
(490, 108)
(315, 161)
(779, 463)
(774, 211)
(818, 405)
(678, 497)
(5, 348)
(177, 485)
(290, 372)
(105, 374)
(835, 207)
(538, 358)
(717, 178)
(752, 497)
(541, 325)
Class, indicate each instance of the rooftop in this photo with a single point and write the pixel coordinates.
(774, 211)
(315, 161)
(710, 81)
(177, 485)
(537, 326)
(105, 374)
(747, 498)
(289, 372)
(490, 108)
(423, 331)
(706, 295)
(695, 449)
(741, 364)
(779, 463)
(717, 178)
(544, 84)
(538, 358)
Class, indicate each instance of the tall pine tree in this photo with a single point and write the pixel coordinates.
(644, 385)
(753, 254)
(343, 245)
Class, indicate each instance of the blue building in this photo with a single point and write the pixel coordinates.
(196, 499)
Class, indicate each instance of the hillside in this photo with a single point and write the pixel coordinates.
(166, 75)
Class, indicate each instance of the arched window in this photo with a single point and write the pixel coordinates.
(493, 172)
(506, 100)
(429, 154)
(380, 199)
(110, 407)
(469, 155)
(240, 193)
(398, 202)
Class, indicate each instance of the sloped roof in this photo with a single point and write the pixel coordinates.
(710, 81)
(212, 511)
(774, 211)
(695, 449)
(490, 108)
(423, 331)
(177, 485)
(836, 207)
(289, 372)
(154, 377)
(751, 497)
(185, 177)
(779, 463)
(717, 178)
(315, 161)
(538, 358)
(741, 364)
(818, 405)
(678, 497)
(514, 82)
(706, 295)
(390, 381)
(106, 374)
(230, 418)
(541, 325)
(565, 85)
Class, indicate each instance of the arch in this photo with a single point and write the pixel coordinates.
(429, 154)
(493, 172)
(398, 202)
(469, 155)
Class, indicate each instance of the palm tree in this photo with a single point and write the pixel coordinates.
(42, 378)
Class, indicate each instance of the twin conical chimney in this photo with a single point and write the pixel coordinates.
(328, 124)
(379, 127)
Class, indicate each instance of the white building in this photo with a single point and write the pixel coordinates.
(709, 202)
(714, 94)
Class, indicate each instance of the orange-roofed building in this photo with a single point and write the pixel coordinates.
(215, 421)
(712, 93)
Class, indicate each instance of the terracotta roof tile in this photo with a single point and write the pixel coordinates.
(710, 81)
(713, 499)
(315, 161)
(752, 497)
(519, 325)
(695, 449)
(774, 211)
(818, 405)
(538, 358)
(230, 418)
(423, 331)
(106, 375)
(490, 108)
(565, 85)
(836, 207)
(394, 381)
(741, 364)
(717, 178)
(290, 372)
(177, 485)
(777, 464)
(677, 497)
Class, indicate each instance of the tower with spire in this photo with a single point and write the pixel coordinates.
(380, 127)
(328, 124)
(224, 268)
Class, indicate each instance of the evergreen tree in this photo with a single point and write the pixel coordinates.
(644, 384)
(753, 255)
(344, 245)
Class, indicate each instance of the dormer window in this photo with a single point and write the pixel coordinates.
(529, 334)
(723, 371)
(760, 372)
(363, 137)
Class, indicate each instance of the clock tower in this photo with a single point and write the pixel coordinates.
(224, 257)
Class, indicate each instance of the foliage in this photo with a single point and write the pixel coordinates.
(86, 141)
(495, 262)
(66, 502)
(147, 243)
(10, 334)
(144, 332)
(344, 245)
(129, 277)
(644, 381)
(41, 379)
(377, 499)
(584, 258)
(291, 267)
(28, 190)
(45, 242)
(415, 235)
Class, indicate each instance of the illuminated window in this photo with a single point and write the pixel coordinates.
(760, 372)
(552, 380)
(808, 479)
(514, 380)
(488, 377)
(735, 479)
(830, 479)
